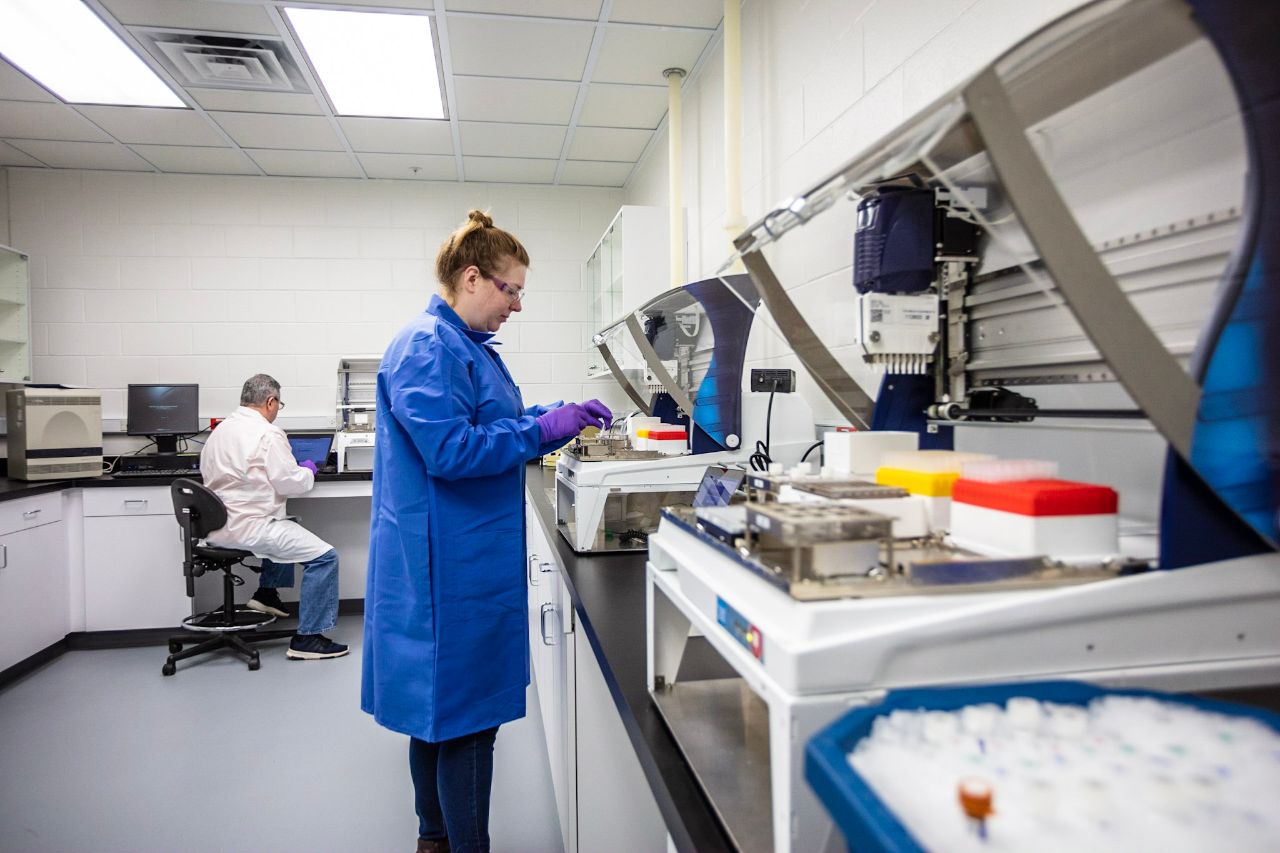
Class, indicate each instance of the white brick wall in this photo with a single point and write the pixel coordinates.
(822, 79)
(173, 278)
(4, 207)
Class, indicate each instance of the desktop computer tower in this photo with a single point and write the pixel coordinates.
(54, 433)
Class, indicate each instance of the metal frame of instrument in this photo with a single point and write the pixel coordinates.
(606, 469)
(797, 664)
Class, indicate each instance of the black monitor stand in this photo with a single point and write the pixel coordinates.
(166, 443)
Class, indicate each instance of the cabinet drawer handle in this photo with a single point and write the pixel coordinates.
(543, 625)
(4, 556)
(528, 569)
(136, 502)
(31, 513)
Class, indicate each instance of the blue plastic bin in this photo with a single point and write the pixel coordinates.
(867, 823)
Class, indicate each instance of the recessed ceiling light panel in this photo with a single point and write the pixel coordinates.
(372, 63)
(70, 51)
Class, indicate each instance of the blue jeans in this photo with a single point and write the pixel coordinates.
(318, 603)
(451, 782)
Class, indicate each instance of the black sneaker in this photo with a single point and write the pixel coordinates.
(267, 600)
(314, 647)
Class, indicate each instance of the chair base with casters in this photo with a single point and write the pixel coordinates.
(199, 511)
(239, 632)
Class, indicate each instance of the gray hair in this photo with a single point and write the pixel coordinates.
(258, 389)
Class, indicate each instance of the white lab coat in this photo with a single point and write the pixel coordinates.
(247, 462)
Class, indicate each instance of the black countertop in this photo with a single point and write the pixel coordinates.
(13, 489)
(608, 594)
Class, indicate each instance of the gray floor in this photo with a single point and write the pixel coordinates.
(100, 753)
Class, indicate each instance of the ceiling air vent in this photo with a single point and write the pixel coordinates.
(221, 61)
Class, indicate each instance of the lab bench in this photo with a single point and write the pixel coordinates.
(619, 774)
(94, 562)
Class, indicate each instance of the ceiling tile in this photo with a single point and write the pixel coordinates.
(608, 143)
(82, 155)
(10, 156)
(497, 139)
(531, 101)
(610, 105)
(638, 54)
(154, 125)
(595, 174)
(418, 5)
(498, 47)
(306, 164)
(16, 86)
(676, 13)
(431, 167)
(583, 9)
(193, 160)
(509, 170)
(398, 135)
(262, 130)
(194, 15)
(256, 102)
(32, 120)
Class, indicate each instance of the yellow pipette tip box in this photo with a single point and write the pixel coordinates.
(933, 484)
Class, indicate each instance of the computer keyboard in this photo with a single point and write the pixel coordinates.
(159, 472)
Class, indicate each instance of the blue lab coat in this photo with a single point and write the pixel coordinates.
(446, 649)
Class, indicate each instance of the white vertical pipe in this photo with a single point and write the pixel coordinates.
(675, 173)
(733, 221)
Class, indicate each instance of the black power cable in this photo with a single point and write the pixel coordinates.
(810, 449)
(760, 458)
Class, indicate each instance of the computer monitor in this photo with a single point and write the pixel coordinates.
(163, 412)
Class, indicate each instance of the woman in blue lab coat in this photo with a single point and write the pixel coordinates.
(446, 657)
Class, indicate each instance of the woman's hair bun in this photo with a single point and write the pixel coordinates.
(483, 219)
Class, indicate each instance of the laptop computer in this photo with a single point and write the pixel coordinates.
(313, 446)
(718, 485)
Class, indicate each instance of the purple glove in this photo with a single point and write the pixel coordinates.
(564, 422)
(308, 464)
(599, 410)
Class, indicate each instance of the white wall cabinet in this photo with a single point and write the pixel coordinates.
(132, 560)
(629, 266)
(15, 316)
(34, 581)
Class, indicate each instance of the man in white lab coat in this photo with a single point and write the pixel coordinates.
(248, 464)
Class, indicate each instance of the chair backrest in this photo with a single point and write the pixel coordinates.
(205, 509)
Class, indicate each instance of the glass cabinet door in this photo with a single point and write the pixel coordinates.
(15, 319)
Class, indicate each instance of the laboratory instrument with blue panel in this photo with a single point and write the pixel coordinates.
(680, 359)
(1073, 462)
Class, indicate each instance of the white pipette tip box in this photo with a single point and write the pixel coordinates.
(1061, 519)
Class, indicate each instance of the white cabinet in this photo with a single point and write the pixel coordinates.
(15, 317)
(601, 792)
(551, 646)
(34, 581)
(556, 625)
(132, 560)
(629, 266)
(616, 809)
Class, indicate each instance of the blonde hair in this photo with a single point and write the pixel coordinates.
(477, 243)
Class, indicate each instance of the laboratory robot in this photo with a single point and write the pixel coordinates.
(1070, 248)
(680, 360)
